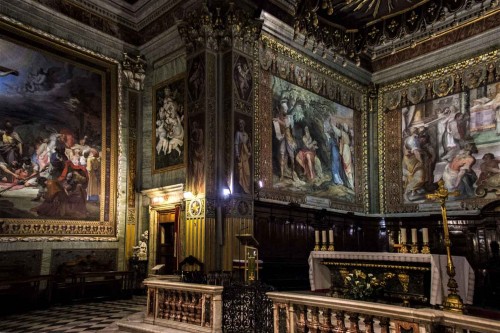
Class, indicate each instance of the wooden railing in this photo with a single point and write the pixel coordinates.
(186, 306)
(300, 313)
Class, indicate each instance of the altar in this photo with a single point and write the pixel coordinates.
(320, 276)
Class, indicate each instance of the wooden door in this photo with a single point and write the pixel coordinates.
(167, 238)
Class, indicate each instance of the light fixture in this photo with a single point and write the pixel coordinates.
(188, 195)
(226, 192)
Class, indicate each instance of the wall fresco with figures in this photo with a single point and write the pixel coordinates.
(313, 149)
(455, 138)
(313, 143)
(448, 127)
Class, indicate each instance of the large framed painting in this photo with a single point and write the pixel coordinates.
(58, 144)
(311, 151)
(169, 149)
(446, 125)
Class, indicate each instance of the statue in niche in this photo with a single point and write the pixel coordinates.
(141, 250)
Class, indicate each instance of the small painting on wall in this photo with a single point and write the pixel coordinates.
(168, 127)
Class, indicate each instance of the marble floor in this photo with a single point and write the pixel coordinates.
(74, 318)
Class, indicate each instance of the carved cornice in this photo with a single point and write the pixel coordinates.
(219, 28)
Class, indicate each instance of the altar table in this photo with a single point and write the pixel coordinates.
(319, 275)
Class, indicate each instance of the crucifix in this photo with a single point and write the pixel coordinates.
(453, 301)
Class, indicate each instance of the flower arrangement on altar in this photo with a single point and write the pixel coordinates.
(360, 285)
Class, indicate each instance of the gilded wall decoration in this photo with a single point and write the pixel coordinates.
(452, 134)
(169, 125)
(59, 137)
(308, 153)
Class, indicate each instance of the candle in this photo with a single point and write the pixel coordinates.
(425, 235)
(316, 236)
(323, 236)
(414, 235)
(330, 235)
(403, 235)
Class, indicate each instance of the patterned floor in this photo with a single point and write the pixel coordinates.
(86, 317)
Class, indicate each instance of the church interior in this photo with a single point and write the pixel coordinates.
(341, 156)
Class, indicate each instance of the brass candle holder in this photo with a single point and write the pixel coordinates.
(453, 301)
(330, 247)
(403, 248)
(426, 249)
(414, 248)
(316, 246)
(323, 247)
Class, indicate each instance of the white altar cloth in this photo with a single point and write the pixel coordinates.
(319, 275)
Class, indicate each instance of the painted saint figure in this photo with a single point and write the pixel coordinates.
(243, 152)
(198, 157)
(306, 157)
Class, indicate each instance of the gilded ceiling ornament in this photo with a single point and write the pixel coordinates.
(392, 100)
(219, 28)
(416, 93)
(443, 86)
(474, 77)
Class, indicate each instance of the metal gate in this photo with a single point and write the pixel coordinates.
(247, 309)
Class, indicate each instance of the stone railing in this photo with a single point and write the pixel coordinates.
(299, 313)
(184, 306)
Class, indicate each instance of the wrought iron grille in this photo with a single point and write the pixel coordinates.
(247, 309)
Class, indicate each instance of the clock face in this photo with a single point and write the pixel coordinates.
(195, 207)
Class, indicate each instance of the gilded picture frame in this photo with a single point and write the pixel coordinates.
(169, 124)
(304, 102)
(59, 137)
(443, 124)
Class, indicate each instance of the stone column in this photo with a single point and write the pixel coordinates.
(220, 43)
(133, 74)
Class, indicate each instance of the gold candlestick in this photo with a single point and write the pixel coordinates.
(453, 301)
(331, 248)
(414, 248)
(323, 247)
(316, 246)
(426, 249)
(403, 248)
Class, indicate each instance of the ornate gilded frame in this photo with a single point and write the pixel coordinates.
(104, 225)
(461, 77)
(276, 59)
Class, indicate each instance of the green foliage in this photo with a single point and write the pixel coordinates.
(361, 286)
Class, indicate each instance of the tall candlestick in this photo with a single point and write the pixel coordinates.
(323, 240)
(316, 236)
(403, 235)
(414, 235)
(425, 235)
(330, 236)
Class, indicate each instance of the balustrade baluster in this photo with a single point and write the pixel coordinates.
(178, 307)
(369, 324)
(326, 320)
(198, 309)
(301, 321)
(354, 323)
(314, 322)
(171, 303)
(340, 324)
(161, 304)
(185, 307)
(384, 325)
(191, 308)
